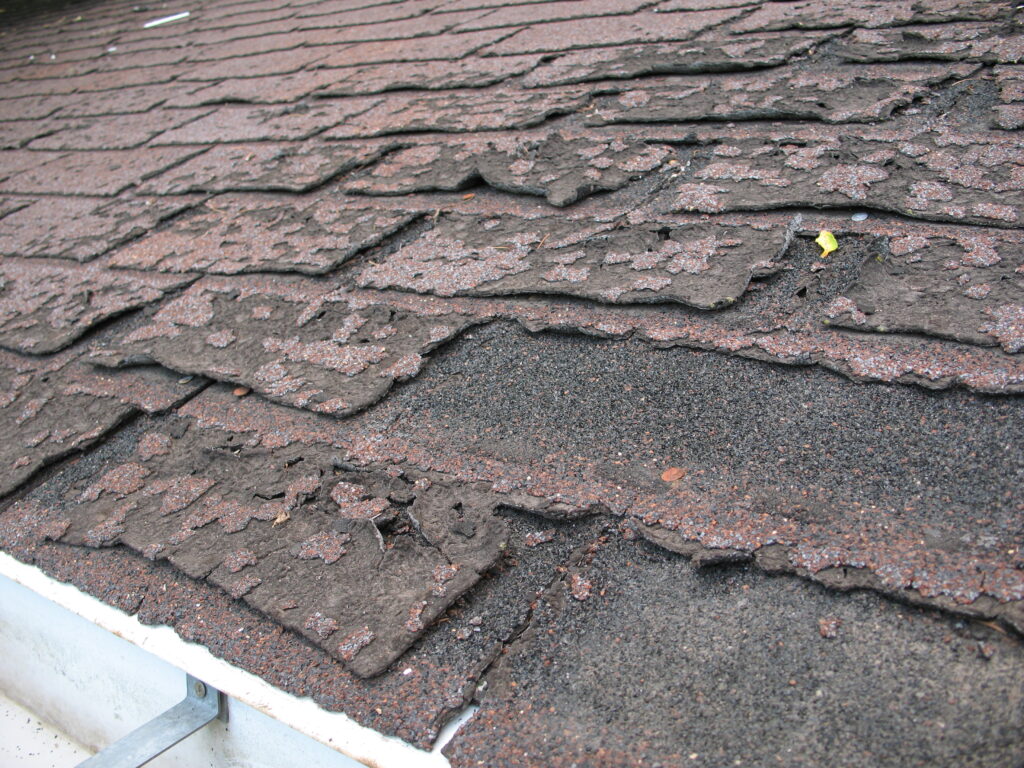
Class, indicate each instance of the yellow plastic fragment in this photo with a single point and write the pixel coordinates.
(827, 241)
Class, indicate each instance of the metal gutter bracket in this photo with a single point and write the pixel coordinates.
(201, 705)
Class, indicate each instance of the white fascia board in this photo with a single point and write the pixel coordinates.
(332, 729)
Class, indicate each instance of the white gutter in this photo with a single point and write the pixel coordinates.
(331, 729)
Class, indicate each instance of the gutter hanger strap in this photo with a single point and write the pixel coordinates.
(201, 705)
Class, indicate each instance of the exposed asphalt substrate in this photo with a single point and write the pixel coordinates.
(419, 354)
(665, 665)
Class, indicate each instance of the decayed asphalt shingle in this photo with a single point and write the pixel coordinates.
(100, 172)
(874, 14)
(874, 479)
(45, 305)
(306, 557)
(967, 41)
(561, 167)
(428, 75)
(252, 232)
(619, 63)
(411, 704)
(849, 94)
(937, 176)
(296, 341)
(262, 166)
(663, 259)
(86, 227)
(53, 407)
(1009, 113)
(646, 176)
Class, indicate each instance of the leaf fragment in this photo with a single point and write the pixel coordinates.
(827, 241)
(672, 474)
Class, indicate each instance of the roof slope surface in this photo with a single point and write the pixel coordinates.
(403, 353)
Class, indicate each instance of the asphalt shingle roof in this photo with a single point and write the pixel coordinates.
(410, 353)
